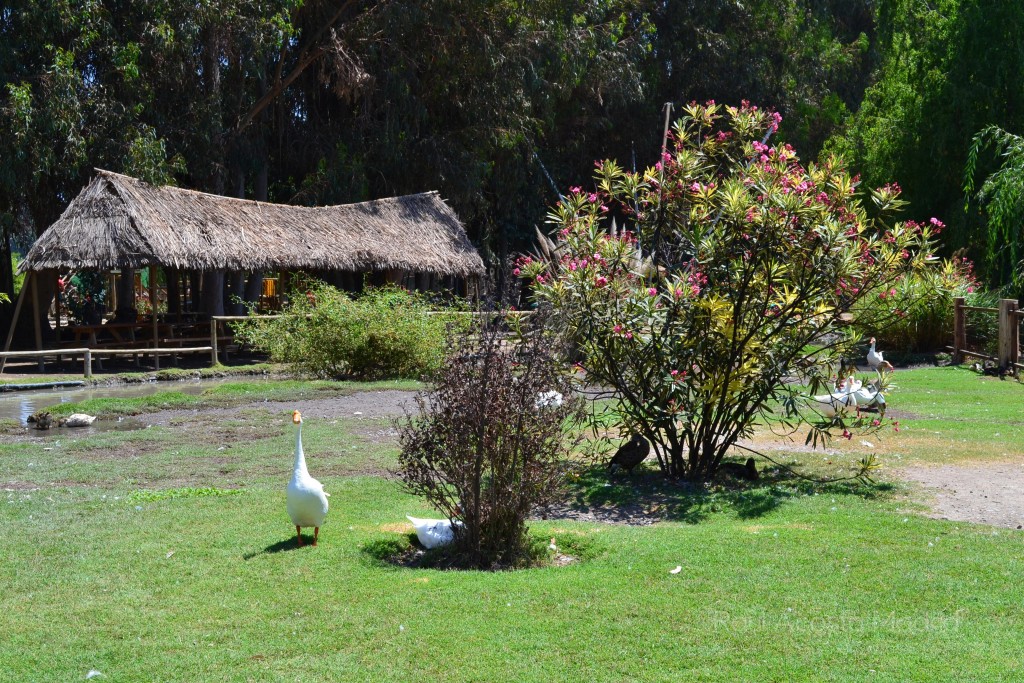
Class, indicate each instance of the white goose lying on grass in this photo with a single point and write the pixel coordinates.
(850, 395)
(307, 500)
(432, 533)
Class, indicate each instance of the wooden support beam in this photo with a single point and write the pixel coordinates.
(56, 300)
(959, 330)
(14, 320)
(213, 341)
(36, 325)
(153, 309)
(1009, 334)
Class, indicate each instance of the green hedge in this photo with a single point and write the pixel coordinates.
(384, 333)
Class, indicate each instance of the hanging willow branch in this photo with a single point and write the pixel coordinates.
(1002, 196)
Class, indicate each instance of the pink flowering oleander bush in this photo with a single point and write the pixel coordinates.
(735, 270)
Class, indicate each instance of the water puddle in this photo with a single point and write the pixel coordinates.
(20, 405)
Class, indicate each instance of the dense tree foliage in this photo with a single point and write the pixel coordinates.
(1002, 196)
(950, 68)
(493, 102)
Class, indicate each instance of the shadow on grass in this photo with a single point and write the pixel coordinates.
(646, 497)
(291, 543)
(405, 552)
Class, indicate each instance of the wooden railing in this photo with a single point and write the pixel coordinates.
(219, 338)
(1009, 318)
(88, 353)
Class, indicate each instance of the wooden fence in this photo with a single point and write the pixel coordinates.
(220, 341)
(1009, 318)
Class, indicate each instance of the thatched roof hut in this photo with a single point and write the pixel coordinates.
(121, 222)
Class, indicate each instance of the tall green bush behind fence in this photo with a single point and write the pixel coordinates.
(385, 332)
(926, 302)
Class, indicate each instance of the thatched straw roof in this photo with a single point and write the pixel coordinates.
(121, 222)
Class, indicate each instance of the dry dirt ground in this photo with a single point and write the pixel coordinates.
(990, 493)
(366, 404)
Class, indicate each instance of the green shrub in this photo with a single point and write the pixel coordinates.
(384, 333)
(925, 301)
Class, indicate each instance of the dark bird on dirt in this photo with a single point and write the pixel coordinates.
(990, 369)
(746, 471)
(630, 454)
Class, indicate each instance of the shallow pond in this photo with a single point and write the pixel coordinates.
(19, 405)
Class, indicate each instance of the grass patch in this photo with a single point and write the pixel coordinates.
(216, 586)
(780, 580)
(149, 496)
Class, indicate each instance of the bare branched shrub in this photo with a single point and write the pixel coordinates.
(490, 440)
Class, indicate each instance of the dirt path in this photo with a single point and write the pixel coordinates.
(990, 493)
(366, 404)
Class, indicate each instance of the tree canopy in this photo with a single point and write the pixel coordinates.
(495, 103)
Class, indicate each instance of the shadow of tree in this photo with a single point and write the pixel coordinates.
(646, 497)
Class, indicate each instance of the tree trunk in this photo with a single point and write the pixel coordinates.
(126, 297)
(7, 284)
(213, 292)
(236, 293)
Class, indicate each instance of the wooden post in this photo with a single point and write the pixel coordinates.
(213, 342)
(173, 294)
(36, 325)
(88, 363)
(14, 320)
(959, 330)
(56, 301)
(1009, 337)
(153, 308)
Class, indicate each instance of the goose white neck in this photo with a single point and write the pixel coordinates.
(300, 457)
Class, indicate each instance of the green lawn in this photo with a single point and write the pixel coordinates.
(119, 556)
(945, 415)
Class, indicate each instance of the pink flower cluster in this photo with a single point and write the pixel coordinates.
(697, 281)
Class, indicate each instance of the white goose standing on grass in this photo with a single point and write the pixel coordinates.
(874, 357)
(307, 500)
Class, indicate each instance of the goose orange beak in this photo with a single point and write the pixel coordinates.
(296, 417)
